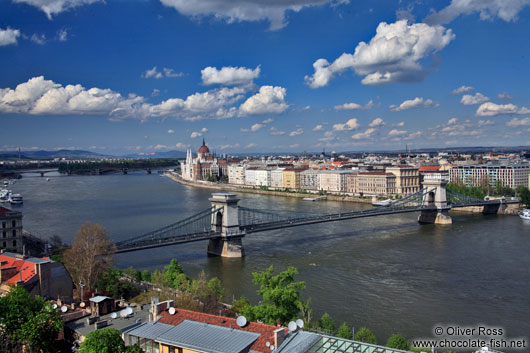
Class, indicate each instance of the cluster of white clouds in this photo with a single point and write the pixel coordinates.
(515, 122)
(478, 98)
(54, 7)
(417, 102)
(351, 124)
(492, 109)
(41, 96)
(462, 89)
(488, 9)
(9, 36)
(166, 72)
(229, 75)
(245, 10)
(355, 106)
(196, 134)
(392, 55)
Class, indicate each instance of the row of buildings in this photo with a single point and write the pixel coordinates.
(364, 176)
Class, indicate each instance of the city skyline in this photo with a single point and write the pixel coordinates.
(117, 78)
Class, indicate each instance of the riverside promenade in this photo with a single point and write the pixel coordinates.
(253, 190)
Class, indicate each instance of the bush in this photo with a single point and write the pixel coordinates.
(365, 335)
(345, 332)
(398, 342)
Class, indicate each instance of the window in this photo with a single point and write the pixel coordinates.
(3, 224)
(14, 233)
(14, 243)
(4, 246)
(4, 234)
(14, 224)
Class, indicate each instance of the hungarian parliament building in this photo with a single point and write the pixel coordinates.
(204, 166)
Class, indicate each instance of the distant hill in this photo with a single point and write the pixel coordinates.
(70, 154)
(168, 154)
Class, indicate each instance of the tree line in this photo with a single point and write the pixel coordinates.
(72, 167)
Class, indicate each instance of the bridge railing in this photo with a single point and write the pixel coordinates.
(200, 223)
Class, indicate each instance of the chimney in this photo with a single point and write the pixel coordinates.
(279, 336)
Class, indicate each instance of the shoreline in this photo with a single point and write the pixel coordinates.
(231, 187)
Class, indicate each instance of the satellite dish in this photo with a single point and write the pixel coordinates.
(272, 347)
(55, 306)
(123, 313)
(292, 326)
(113, 315)
(268, 344)
(172, 311)
(128, 311)
(300, 323)
(241, 321)
(82, 304)
(64, 308)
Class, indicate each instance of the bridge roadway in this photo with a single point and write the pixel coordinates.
(253, 225)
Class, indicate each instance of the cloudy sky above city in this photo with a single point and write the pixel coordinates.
(121, 77)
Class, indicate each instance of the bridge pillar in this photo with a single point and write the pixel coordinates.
(436, 198)
(226, 221)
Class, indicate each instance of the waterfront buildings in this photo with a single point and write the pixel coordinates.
(511, 174)
(11, 230)
(309, 179)
(236, 174)
(291, 178)
(277, 177)
(333, 180)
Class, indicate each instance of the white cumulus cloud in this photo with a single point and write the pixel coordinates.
(492, 109)
(229, 75)
(395, 132)
(478, 98)
(351, 124)
(170, 131)
(297, 132)
(394, 54)
(9, 36)
(355, 106)
(154, 73)
(55, 7)
(485, 122)
(462, 89)
(269, 99)
(318, 127)
(245, 10)
(417, 102)
(518, 122)
(377, 122)
(195, 134)
(203, 130)
(181, 146)
(364, 135)
(506, 10)
(256, 127)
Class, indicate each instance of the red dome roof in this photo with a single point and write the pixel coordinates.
(204, 149)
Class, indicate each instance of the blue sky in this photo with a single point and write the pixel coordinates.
(141, 76)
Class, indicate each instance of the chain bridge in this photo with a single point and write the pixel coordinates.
(225, 223)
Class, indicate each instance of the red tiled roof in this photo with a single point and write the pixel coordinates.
(25, 270)
(3, 211)
(266, 331)
(428, 168)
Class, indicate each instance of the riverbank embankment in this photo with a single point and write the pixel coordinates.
(239, 188)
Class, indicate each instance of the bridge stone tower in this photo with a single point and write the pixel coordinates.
(226, 221)
(437, 198)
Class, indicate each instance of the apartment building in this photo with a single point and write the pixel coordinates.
(407, 179)
(250, 176)
(11, 230)
(263, 177)
(374, 183)
(236, 174)
(277, 177)
(309, 179)
(333, 180)
(511, 175)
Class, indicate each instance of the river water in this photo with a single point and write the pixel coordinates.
(387, 273)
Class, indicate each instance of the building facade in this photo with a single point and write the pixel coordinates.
(309, 179)
(333, 180)
(11, 230)
(407, 179)
(376, 183)
(203, 166)
(277, 177)
(236, 174)
(511, 175)
(291, 178)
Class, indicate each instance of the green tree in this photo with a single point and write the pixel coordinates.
(31, 321)
(133, 349)
(365, 335)
(105, 340)
(238, 307)
(326, 323)
(344, 331)
(146, 276)
(111, 281)
(524, 194)
(398, 342)
(216, 288)
(280, 297)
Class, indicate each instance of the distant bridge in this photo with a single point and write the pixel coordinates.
(225, 223)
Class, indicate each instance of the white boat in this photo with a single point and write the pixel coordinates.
(314, 198)
(382, 203)
(16, 199)
(4, 195)
(525, 214)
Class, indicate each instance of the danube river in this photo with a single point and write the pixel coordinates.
(387, 273)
